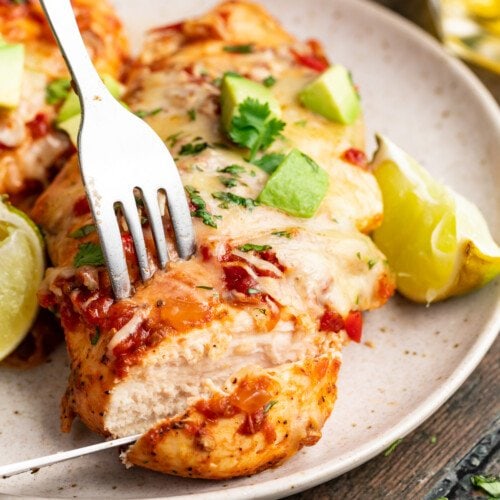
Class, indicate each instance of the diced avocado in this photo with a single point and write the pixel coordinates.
(333, 95)
(235, 89)
(297, 186)
(71, 127)
(11, 74)
(71, 105)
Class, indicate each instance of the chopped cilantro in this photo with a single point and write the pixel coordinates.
(489, 484)
(95, 337)
(141, 113)
(193, 148)
(205, 287)
(392, 447)
(239, 49)
(232, 169)
(371, 263)
(269, 163)
(83, 231)
(229, 182)
(253, 291)
(173, 139)
(192, 114)
(200, 207)
(89, 254)
(269, 81)
(228, 198)
(433, 439)
(252, 127)
(282, 234)
(358, 255)
(57, 91)
(269, 405)
(249, 247)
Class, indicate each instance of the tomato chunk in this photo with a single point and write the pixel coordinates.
(354, 325)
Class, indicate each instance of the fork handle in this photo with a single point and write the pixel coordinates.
(62, 21)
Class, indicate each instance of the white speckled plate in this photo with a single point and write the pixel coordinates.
(430, 105)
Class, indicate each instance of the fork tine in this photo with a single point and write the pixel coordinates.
(131, 214)
(112, 248)
(154, 216)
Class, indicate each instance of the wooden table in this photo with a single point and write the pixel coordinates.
(461, 439)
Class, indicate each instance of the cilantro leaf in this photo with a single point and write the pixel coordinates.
(269, 163)
(200, 206)
(193, 148)
(229, 182)
(249, 247)
(489, 484)
(392, 447)
(232, 169)
(82, 231)
(231, 198)
(95, 337)
(57, 90)
(269, 405)
(239, 49)
(252, 127)
(269, 81)
(141, 113)
(192, 114)
(89, 254)
(282, 234)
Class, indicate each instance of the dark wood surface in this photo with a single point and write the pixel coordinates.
(461, 439)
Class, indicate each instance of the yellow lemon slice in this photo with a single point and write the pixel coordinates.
(22, 265)
(437, 242)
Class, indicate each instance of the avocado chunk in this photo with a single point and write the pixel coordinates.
(297, 186)
(236, 89)
(71, 105)
(11, 74)
(333, 96)
(71, 126)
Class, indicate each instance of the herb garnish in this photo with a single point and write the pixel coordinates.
(269, 163)
(192, 114)
(269, 405)
(205, 287)
(282, 234)
(173, 139)
(371, 263)
(228, 198)
(269, 81)
(57, 91)
(232, 169)
(229, 182)
(252, 127)
(249, 247)
(95, 337)
(392, 447)
(89, 254)
(144, 114)
(489, 484)
(239, 49)
(82, 231)
(201, 207)
(193, 148)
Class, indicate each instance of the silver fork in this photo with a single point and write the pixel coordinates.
(118, 153)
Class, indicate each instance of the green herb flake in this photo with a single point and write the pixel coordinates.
(250, 247)
(269, 163)
(358, 255)
(269, 405)
(235, 170)
(95, 337)
(228, 182)
(57, 91)
(433, 439)
(82, 231)
(392, 447)
(231, 198)
(205, 287)
(269, 81)
(253, 291)
(371, 263)
(252, 127)
(192, 114)
(239, 49)
(200, 211)
(282, 234)
(489, 484)
(89, 254)
(141, 113)
(193, 148)
(173, 139)
(300, 123)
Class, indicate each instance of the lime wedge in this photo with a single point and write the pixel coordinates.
(22, 266)
(437, 242)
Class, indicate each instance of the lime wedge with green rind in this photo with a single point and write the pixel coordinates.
(22, 265)
(437, 242)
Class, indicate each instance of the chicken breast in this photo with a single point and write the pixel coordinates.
(227, 362)
(31, 149)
